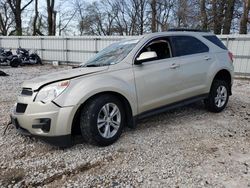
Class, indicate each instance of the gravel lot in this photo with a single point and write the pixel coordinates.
(186, 147)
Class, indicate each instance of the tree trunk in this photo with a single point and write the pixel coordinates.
(244, 17)
(218, 14)
(228, 16)
(35, 18)
(214, 13)
(18, 21)
(3, 30)
(204, 23)
(5, 20)
(54, 23)
(153, 9)
(17, 13)
(51, 17)
(141, 17)
(15, 6)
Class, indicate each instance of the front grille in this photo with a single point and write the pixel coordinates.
(20, 108)
(27, 91)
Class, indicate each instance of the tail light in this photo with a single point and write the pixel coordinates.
(231, 56)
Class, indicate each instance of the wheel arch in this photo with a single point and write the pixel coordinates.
(75, 126)
(224, 75)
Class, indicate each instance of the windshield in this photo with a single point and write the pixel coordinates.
(112, 54)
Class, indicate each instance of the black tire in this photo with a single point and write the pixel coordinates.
(38, 60)
(210, 102)
(14, 63)
(89, 116)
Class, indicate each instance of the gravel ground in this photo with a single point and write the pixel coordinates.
(186, 147)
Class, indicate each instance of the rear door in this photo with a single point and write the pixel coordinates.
(195, 60)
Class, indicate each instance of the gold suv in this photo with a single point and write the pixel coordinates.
(127, 81)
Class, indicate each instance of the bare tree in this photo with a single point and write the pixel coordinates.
(108, 14)
(164, 10)
(218, 7)
(51, 17)
(182, 13)
(79, 7)
(244, 18)
(141, 15)
(6, 19)
(64, 20)
(17, 10)
(229, 11)
(35, 31)
(65, 16)
(154, 13)
(92, 22)
(122, 24)
(204, 18)
(133, 17)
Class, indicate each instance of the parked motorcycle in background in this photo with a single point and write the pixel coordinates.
(7, 58)
(28, 58)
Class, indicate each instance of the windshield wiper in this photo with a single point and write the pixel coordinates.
(92, 65)
(95, 65)
(76, 67)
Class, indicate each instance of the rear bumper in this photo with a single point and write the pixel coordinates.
(60, 141)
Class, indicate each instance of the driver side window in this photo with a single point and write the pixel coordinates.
(160, 46)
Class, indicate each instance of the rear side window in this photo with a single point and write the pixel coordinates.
(216, 41)
(187, 45)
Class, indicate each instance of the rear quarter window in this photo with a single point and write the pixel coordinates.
(216, 41)
(187, 45)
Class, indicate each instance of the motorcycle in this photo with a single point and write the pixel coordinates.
(28, 58)
(7, 58)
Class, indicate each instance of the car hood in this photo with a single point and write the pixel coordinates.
(38, 82)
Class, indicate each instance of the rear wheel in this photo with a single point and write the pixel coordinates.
(38, 60)
(102, 120)
(218, 96)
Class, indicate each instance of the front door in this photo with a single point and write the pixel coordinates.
(157, 81)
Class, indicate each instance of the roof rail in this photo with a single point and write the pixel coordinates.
(189, 30)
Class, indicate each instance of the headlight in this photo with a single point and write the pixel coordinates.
(50, 92)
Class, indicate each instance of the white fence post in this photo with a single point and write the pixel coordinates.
(41, 47)
(18, 42)
(66, 50)
(227, 41)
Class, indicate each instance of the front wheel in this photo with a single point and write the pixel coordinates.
(102, 120)
(218, 96)
(14, 63)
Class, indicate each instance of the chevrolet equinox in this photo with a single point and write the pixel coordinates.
(127, 81)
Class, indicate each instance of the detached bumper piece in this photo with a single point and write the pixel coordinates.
(60, 141)
(18, 127)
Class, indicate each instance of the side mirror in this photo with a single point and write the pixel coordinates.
(145, 56)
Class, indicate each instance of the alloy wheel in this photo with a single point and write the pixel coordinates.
(109, 120)
(221, 96)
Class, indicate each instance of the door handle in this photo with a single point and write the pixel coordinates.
(174, 66)
(207, 58)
